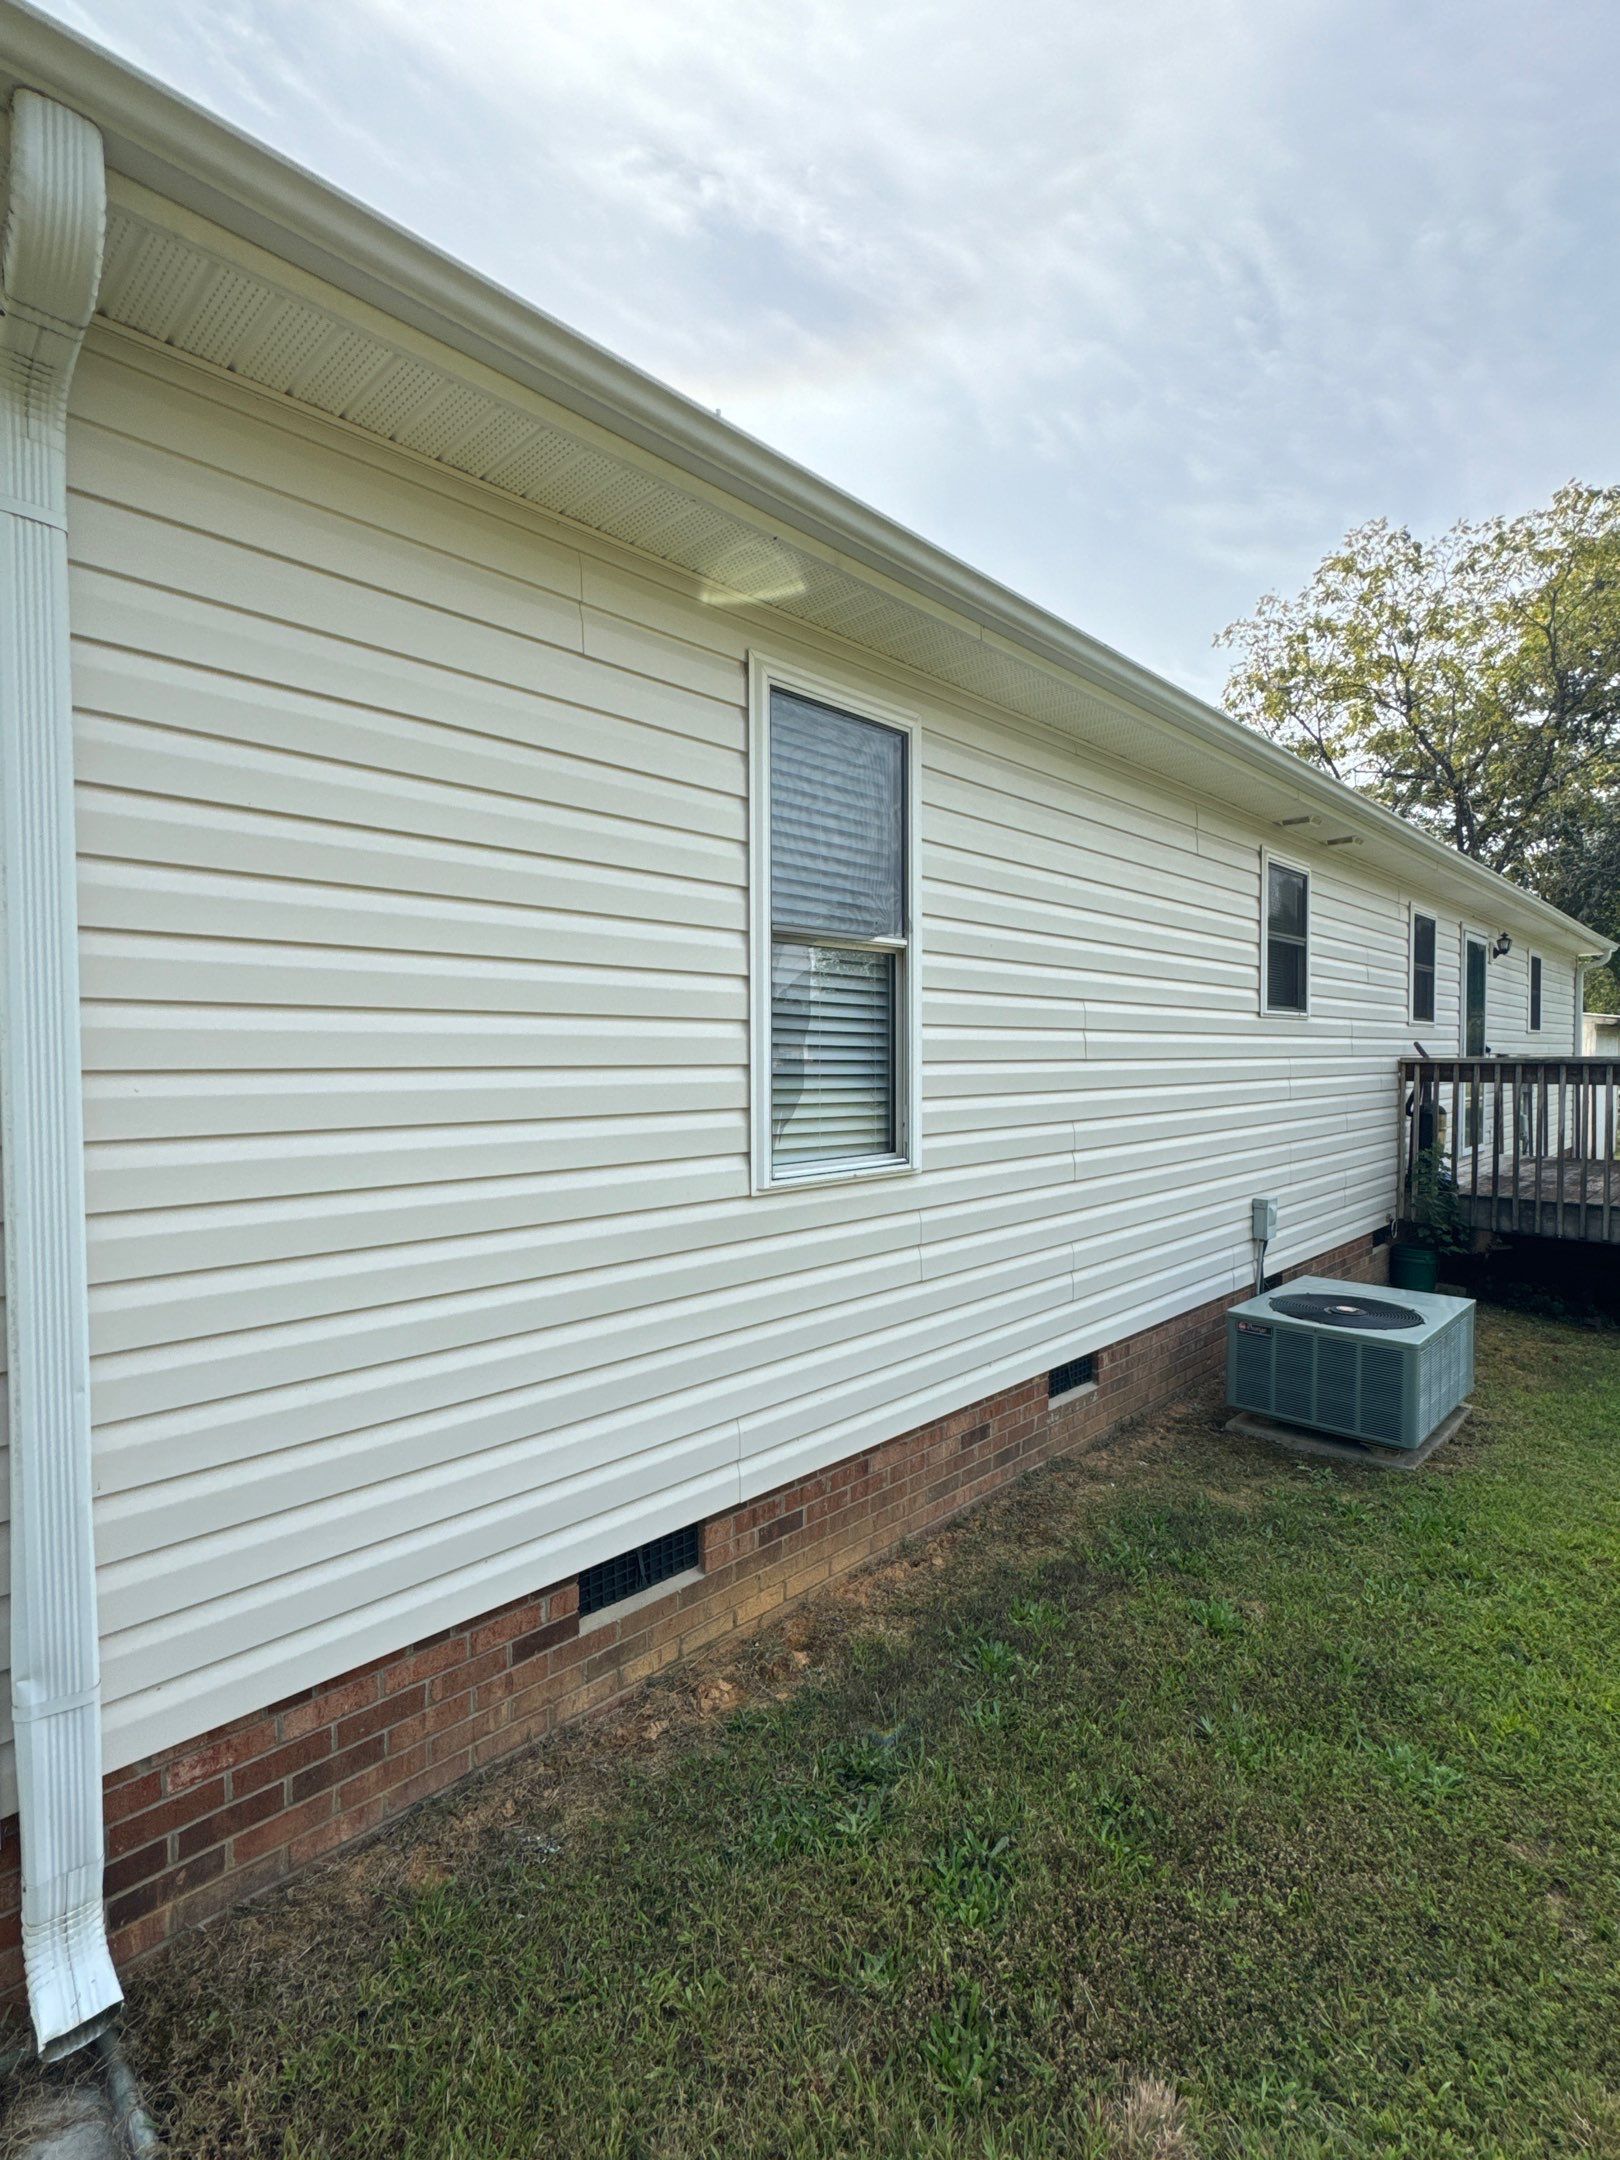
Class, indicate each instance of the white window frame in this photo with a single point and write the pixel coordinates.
(1534, 1025)
(1413, 914)
(1284, 862)
(1467, 935)
(766, 674)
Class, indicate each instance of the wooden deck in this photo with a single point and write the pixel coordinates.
(1525, 1146)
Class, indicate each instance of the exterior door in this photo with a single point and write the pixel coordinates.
(1473, 998)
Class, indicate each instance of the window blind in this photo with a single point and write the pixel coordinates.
(832, 1053)
(838, 933)
(837, 822)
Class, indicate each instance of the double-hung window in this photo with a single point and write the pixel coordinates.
(835, 955)
(1535, 993)
(1286, 967)
(1424, 932)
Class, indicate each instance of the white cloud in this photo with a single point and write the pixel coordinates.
(1135, 305)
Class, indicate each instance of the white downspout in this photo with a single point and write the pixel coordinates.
(1584, 966)
(50, 270)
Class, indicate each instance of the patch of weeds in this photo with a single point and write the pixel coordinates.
(875, 1973)
(1414, 1769)
(1119, 1826)
(959, 2047)
(1216, 1615)
(1239, 1734)
(987, 1715)
(971, 1879)
(990, 1658)
(788, 1824)
(858, 1819)
(870, 1761)
(1040, 1617)
(682, 1995)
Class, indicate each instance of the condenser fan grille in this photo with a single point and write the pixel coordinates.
(1346, 1312)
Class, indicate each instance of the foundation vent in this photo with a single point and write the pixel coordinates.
(1064, 1379)
(610, 1582)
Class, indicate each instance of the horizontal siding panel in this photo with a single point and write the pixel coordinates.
(217, 973)
(302, 917)
(331, 597)
(463, 1404)
(686, 610)
(531, 748)
(157, 1104)
(387, 1248)
(673, 1299)
(272, 1194)
(258, 1040)
(133, 757)
(225, 837)
(182, 631)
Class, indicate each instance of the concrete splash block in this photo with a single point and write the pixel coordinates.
(1367, 1454)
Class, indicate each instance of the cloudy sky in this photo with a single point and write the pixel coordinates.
(1134, 304)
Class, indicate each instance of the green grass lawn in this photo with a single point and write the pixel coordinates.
(1203, 1803)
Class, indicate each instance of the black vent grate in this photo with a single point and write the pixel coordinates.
(1346, 1310)
(611, 1581)
(1079, 1372)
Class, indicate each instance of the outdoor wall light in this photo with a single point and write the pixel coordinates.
(1502, 947)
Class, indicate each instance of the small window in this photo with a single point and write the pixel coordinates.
(1424, 930)
(1535, 993)
(835, 960)
(1288, 920)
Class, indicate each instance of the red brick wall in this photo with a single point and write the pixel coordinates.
(193, 1829)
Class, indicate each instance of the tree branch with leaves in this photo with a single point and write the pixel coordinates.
(1471, 683)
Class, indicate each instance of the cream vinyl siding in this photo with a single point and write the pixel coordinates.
(425, 1268)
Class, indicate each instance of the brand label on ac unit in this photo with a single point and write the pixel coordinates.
(1252, 1327)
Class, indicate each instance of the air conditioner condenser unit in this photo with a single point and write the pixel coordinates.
(1362, 1364)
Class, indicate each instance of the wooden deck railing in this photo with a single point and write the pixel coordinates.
(1525, 1144)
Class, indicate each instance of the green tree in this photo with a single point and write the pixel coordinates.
(1472, 683)
(1579, 871)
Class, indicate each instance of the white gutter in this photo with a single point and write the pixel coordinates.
(168, 144)
(50, 269)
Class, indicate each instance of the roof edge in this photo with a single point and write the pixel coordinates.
(183, 152)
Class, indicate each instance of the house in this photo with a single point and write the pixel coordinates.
(594, 1032)
(1600, 1035)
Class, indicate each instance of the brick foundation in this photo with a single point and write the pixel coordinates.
(194, 1829)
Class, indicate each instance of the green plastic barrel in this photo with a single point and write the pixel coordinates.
(1413, 1267)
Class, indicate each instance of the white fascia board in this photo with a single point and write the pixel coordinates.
(183, 153)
